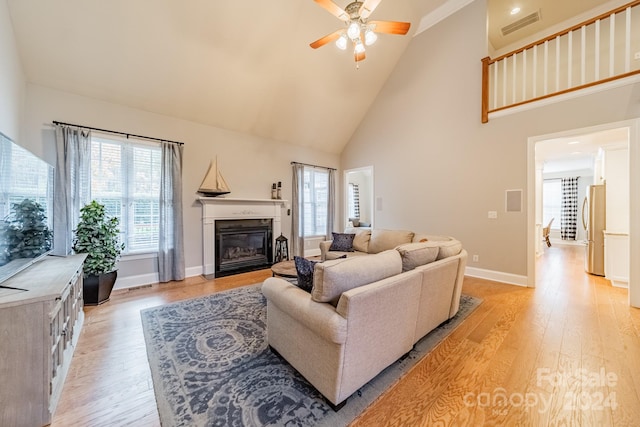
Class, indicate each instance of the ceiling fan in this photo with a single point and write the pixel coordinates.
(358, 29)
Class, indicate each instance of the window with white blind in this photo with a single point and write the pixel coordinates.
(354, 200)
(551, 202)
(125, 177)
(316, 200)
(24, 176)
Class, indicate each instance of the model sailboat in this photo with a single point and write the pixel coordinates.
(213, 183)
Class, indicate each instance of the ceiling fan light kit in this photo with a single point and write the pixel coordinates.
(358, 29)
(370, 37)
(342, 42)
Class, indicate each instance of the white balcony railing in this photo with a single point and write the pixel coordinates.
(596, 51)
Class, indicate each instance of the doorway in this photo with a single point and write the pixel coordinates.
(358, 197)
(563, 147)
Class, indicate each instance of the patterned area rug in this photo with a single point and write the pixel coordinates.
(211, 366)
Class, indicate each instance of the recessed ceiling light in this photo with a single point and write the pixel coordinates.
(515, 10)
(573, 142)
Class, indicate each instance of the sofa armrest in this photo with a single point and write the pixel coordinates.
(324, 248)
(321, 318)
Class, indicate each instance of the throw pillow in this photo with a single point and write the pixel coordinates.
(332, 278)
(382, 240)
(416, 254)
(342, 242)
(361, 241)
(304, 268)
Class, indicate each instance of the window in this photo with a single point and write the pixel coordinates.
(316, 199)
(24, 176)
(551, 202)
(125, 177)
(354, 200)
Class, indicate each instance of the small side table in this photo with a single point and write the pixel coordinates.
(285, 269)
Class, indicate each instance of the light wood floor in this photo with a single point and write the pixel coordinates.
(563, 353)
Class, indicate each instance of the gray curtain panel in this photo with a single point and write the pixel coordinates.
(171, 236)
(297, 218)
(331, 202)
(72, 184)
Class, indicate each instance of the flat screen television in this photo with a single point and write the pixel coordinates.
(26, 208)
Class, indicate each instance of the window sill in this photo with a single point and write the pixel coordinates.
(138, 255)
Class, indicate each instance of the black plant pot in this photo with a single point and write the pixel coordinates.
(97, 289)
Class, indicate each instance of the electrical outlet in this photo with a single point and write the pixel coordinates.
(476, 258)
(636, 55)
(492, 215)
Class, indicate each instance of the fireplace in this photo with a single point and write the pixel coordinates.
(243, 245)
(218, 213)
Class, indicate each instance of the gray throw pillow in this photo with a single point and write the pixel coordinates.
(342, 242)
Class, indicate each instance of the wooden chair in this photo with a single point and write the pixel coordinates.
(545, 233)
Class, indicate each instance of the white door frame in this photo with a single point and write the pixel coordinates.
(634, 200)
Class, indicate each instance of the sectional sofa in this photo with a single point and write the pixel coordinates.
(364, 312)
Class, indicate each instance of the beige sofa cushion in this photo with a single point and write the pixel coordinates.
(416, 254)
(361, 240)
(448, 245)
(382, 240)
(332, 278)
(339, 254)
(449, 248)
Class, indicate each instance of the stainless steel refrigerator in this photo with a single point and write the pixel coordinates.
(594, 222)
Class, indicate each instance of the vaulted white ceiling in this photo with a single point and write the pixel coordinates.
(238, 65)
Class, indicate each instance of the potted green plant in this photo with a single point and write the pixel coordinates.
(97, 235)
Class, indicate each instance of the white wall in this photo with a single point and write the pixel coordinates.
(437, 168)
(617, 179)
(364, 180)
(249, 164)
(12, 80)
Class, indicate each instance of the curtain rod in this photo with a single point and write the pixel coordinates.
(118, 133)
(313, 166)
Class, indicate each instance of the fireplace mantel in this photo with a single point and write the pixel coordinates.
(219, 208)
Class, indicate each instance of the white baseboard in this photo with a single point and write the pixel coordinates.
(194, 271)
(150, 278)
(311, 252)
(560, 242)
(496, 276)
(136, 281)
(620, 283)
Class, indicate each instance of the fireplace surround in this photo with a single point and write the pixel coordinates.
(237, 254)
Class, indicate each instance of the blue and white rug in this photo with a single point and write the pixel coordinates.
(211, 366)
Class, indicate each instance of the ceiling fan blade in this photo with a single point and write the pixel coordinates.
(326, 39)
(368, 7)
(390, 27)
(359, 56)
(333, 9)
